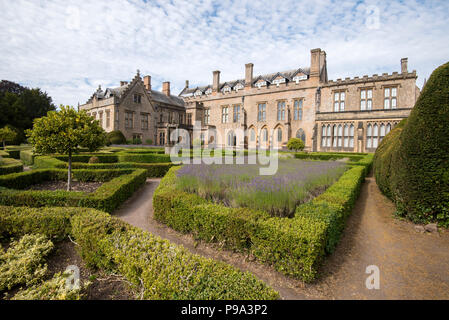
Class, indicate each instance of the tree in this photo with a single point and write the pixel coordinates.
(7, 134)
(295, 144)
(19, 106)
(65, 132)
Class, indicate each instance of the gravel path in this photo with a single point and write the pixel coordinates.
(412, 265)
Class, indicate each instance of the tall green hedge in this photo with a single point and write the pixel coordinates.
(413, 166)
(158, 268)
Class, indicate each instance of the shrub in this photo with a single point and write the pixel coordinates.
(294, 246)
(22, 262)
(9, 165)
(94, 159)
(413, 168)
(161, 269)
(149, 142)
(116, 137)
(144, 158)
(120, 185)
(295, 144)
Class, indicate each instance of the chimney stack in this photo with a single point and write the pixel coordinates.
(216, 82)
(315, 57)
(147, 82)
(249, 75)
(166, 88)
(187, 84)
(404, 65)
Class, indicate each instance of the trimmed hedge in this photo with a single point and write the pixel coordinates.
(160, 269)
(119, 186)
(143, 157)
(10, 165)
(27, 157)
(412, 167)
(294, 246)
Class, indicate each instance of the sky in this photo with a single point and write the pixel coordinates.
(67, 48)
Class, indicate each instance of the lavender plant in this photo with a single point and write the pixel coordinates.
(295, 182)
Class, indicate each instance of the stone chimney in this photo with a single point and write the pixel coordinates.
(166, 88)
(123, 83)
(147, 82)
(249, 75)
(404, 65)
(216, 81)
(187, 84)
(315, 57)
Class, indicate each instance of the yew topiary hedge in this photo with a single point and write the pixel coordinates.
(412, 165)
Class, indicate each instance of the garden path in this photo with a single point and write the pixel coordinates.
(412, 265)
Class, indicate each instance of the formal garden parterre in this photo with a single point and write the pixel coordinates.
(295, 246)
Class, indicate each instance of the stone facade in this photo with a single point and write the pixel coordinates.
(138, 111)
(349, 115)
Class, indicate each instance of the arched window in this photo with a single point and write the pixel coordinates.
(329, 135)
(388, 129)
(334, 137)
(369, 136)
(375, 136)
(301, 135)
(323, 136)
(279, 134)
(346, 136)
(252, 135)
(382, 132)
(340, 135)
(231, 139)
(264, 135)
(351, 136)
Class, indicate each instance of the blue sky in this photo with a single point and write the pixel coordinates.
(68, 48)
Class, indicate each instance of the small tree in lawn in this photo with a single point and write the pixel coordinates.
(7, 134)
(65, 132)
(295, 144)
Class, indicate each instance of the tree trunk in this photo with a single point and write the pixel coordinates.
(69, 177)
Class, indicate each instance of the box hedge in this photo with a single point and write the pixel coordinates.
(154, 170)
(413, 166)
(160, 269)
(294, 246)
(118, 186)
(10, 165)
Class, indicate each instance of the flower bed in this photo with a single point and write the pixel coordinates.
(158, 268)
(294, 246)
(119, 185)
(241, 185)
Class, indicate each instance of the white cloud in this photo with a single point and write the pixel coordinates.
(67, 48)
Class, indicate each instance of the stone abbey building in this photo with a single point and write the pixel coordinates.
(351, 114)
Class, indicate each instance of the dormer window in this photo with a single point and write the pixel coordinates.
(238, 87)
(278, 81)
(226, 89)
(260, 84)
(198, 93)
(299, 78)
(208, 91)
